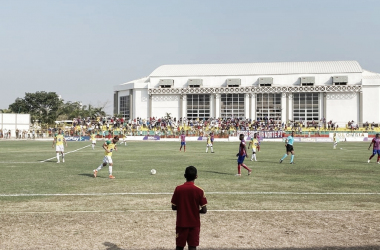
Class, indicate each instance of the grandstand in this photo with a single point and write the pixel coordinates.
(339, 91)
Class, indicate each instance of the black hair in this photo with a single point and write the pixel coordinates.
(191, 173)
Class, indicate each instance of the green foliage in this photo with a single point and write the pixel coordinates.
(47, 107)
(42, 106)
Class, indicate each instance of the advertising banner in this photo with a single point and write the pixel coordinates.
(77, 138)
(261, 134)
(151, 138)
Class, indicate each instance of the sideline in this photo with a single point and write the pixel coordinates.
(208, 210)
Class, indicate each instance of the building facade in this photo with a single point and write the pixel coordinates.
(299, 91)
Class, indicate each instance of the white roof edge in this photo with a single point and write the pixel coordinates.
(275, 68)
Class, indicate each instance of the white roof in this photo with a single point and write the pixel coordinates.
(370, 75)
(278, 68)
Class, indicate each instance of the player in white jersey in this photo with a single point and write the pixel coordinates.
(93, 140)
(59, 140)
(254, 143)
(109, 146)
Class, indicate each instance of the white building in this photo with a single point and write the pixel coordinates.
(335, 90)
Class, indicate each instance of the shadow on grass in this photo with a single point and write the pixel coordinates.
(92, 175)
(214, 172)
(111, 246)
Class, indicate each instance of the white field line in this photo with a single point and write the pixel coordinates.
(224, 193)
(171, 211)
(67, 153)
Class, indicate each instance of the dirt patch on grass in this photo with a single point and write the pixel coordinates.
(220, 230)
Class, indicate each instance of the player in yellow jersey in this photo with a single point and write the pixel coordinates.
(59, 140)
(93, 139)
(254, 143)
(209, 144)
(109, 147)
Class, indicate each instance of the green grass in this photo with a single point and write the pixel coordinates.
(321, 179)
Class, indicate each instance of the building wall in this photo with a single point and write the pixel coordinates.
(371, 104)
(14, 121)
(278, 80)
(141, 103)
(342, 107)
(162, 104)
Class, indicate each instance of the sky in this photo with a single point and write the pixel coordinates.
(81, 49)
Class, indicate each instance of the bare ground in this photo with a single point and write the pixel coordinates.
(220, 230)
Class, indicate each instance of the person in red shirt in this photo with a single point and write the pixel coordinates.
(241, 156)
(189, 201)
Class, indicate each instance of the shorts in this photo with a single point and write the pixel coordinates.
(240, 159)
(107, 159)
(59, 148)
(289, 148)
(187, 234)
(253, 150)
(94, 141)
(183, 143)
(209, 145)
(376, 151)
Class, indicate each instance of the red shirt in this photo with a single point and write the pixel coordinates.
(188, 198)
(242, 148)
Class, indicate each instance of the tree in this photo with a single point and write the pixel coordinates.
(42, 106)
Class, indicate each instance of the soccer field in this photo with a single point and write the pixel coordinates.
(329, 198)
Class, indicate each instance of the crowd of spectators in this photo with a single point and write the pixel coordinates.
(222, 127)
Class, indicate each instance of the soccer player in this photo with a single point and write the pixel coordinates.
(189, 201)
(59, 139)
(212, 138)
(258, 145)
(336, 140)
(376, 148)
(183, 141)
(109, 147)
(241, 156)
(289, 148)
(209, 144)
(254, 143)
(93, 140)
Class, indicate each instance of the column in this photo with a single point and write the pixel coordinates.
(150, 105)
(247, 105)
(131, 106)
(116, 102)
(253, 107)
(360, 108)
(217, 105)
(184, 105)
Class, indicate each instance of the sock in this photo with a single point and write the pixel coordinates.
(100, 167)
(110, 170)
(184, 148)
(63, 155)
(378, 158)
(212, 150)
(93, 146)
(254, 156)
(206, 149)
(291, 158)
(285, 155)
(245, 166)
(239, 168)
(57, 156)
(371, 157)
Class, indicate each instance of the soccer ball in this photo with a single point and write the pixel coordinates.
(153, 171)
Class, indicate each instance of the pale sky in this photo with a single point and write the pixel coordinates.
(81, 49)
